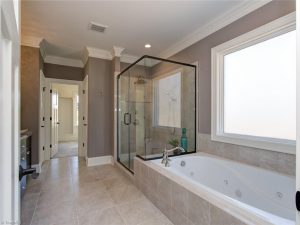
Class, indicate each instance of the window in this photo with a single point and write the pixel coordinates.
(254, 88)
(167, 100)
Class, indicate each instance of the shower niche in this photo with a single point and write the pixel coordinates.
(156, 109)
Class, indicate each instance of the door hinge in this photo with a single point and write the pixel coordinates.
(83, 91)
(83, 118)
(43, 148)
(44, 89)
(50, 146)
(43, 118)
(50, 91)
(83, 144)
(50, 117)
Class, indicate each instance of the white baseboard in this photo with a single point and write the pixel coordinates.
(38, 167)
(101, 160)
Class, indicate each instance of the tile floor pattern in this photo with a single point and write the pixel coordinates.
(66, 149)
(69, 193)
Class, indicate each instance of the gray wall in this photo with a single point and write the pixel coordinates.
(31, 63)
(100, 107)
(201, 52)
(63, 72)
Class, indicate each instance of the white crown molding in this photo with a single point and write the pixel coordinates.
(117, 51)
(85, 56)
(227, 18)
(31, 41)
(99, 53)
(43, 49)
(63, 61)
(104, 54)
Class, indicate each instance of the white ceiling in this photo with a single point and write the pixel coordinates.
(166, 25)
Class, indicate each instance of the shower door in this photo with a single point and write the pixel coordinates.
(124, 120)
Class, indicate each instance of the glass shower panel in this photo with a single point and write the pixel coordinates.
(138, 82)
(123, 120)
(157, 109)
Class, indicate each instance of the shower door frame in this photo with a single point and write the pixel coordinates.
(118, 105)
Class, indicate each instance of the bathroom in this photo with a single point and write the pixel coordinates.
(186, 113)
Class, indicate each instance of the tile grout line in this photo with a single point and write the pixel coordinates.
(42, 180)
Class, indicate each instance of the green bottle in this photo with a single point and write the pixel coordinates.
(183, 140)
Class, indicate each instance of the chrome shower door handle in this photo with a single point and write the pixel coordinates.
(127, 118)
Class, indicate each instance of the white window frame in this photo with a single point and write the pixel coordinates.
(155, 96)
(275, 28)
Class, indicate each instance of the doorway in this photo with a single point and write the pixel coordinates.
(65, 114)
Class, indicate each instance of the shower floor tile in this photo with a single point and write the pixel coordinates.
(69, 193)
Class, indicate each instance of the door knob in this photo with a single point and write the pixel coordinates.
(58, 123)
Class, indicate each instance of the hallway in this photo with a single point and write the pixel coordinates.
(67, 149)
(69, 193)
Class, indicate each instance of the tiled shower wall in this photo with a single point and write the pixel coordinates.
(275, 161)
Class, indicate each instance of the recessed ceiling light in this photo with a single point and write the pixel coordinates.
(147, 46)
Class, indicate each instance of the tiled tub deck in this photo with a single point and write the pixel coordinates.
(180, 205)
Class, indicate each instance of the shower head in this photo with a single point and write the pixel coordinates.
(140, 80)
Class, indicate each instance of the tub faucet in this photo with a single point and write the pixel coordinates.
(166, 152)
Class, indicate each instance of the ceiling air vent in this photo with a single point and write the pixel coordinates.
(97, 27)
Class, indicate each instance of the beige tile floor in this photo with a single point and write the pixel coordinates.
(69, 193)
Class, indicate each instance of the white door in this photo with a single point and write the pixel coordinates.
(65, 115)
(54, 122)
(298, 117)
(9, 112)
(85, 116)
(42, 123)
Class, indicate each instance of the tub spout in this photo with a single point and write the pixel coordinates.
(166, 152)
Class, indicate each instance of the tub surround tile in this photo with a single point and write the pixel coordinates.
(219, 217)
(179, 198)
(181, 206)
(275, 161)
(197, 209)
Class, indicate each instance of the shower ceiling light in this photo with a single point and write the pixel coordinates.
(147, 46)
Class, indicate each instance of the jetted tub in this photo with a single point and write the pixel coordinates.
(251, 193)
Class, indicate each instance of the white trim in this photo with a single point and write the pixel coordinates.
(117, 51)
(99, 53)
(272, 29)
(63, 61)
(101, 160)
(10, 112)
(227, 18)
(38, 167)
(298, 108)
(49, 82)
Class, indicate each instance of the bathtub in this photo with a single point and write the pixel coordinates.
(254, 195)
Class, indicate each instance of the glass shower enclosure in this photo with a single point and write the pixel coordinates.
(156, 109)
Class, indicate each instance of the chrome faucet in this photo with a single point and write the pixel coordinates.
(166, 152)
